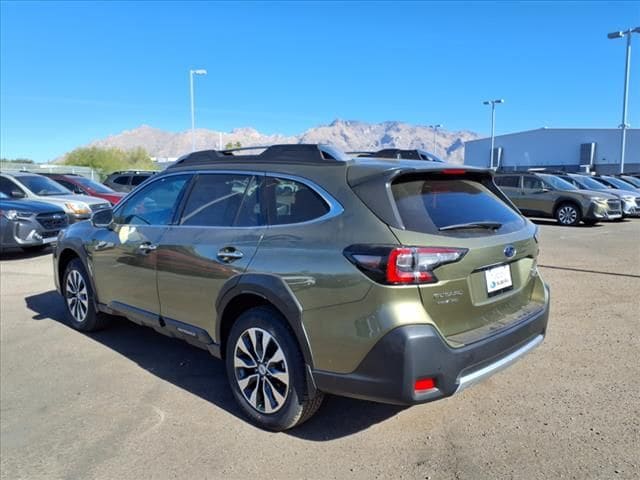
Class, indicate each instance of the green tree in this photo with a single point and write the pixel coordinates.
(107, 160)
(231, 145)
(16, 160)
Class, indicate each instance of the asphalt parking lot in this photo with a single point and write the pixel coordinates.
(129, 403)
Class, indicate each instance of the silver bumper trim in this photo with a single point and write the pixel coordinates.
(479, 375)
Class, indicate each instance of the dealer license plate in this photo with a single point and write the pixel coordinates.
(498, 279)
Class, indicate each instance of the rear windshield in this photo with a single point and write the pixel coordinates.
(93, 185)
(439, 206)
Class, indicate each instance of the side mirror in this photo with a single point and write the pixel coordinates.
(102, 218)
(543, 190)
(17, 194)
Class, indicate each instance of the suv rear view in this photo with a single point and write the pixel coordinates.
(310, 272)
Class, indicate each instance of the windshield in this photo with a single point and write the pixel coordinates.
(589, 183)
(42, 185)
(632, 180)
(558, 183)
(3, 195)
(621, 184)
(93, 185)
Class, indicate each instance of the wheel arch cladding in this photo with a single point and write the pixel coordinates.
(67, 255)
(251, 290)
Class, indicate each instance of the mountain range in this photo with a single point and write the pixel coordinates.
(345, 134)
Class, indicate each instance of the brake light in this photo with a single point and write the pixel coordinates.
(454, 171)
(402, 265)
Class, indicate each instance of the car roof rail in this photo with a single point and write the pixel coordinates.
(281, 153)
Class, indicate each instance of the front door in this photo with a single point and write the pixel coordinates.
(124, 256)
(218, 233)
(536, 198)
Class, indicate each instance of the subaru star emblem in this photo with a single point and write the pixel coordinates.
(509, 251)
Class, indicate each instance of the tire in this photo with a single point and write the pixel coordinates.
(590, 221)
(269, 384)
(568, 214)
(79, 299)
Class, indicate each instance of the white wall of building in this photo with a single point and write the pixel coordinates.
(554, 147)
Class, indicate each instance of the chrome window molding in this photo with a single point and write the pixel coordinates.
(335, 208)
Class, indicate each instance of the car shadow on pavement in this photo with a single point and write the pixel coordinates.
(196, 371)
(10, 254)
(555, 223)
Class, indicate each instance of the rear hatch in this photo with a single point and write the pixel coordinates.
(489, 284)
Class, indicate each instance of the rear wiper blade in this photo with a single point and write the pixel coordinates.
(461, 226)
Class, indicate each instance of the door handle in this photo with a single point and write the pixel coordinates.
(147, 247)
(229, 254)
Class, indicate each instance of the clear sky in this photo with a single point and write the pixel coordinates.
(74, 72)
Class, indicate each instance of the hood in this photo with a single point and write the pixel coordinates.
(595, 193)
(29, 206)
(62, 199)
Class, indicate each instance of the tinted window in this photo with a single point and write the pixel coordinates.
(293, 202)
(43, 185)
(508, 181)
(427, 205)
(70, 186)
(7, 186)
(532, 183)
(122, 180)
(93, 185)
(588, 182)
(154, 204)
(138, 179)
(221, 200)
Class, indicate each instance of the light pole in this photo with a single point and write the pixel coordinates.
(625, 96)
(493, 122)
(435, 131)
(193, 114)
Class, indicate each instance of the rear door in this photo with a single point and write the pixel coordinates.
(492, 284)
(215, 238)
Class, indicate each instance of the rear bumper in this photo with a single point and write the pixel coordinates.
(406, 354)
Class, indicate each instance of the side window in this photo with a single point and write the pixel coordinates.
(293, 202)
(7, 186)
(154, 204)
(138, 179)
(512, 181)
(532, 183)
(122, 180)
(224, 200)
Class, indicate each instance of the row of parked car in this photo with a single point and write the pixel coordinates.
(35, 207)
(572, 198)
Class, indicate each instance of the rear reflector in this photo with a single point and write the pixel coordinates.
(424, 384)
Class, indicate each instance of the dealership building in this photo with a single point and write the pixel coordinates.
(569, 149)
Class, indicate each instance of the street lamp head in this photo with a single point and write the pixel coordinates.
(500, 100)
(636, 30)
(615, 35)
(200, 71)
(486, 102)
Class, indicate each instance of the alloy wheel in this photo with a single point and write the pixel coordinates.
(567, 215)
(77, 296)
(261, 370)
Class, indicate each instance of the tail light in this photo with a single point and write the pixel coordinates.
(401, 265)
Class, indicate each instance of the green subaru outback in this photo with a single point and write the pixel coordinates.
(311, 272)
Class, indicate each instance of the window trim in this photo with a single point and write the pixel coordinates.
(335, 207)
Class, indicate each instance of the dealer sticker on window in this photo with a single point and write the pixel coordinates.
(498, 278)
